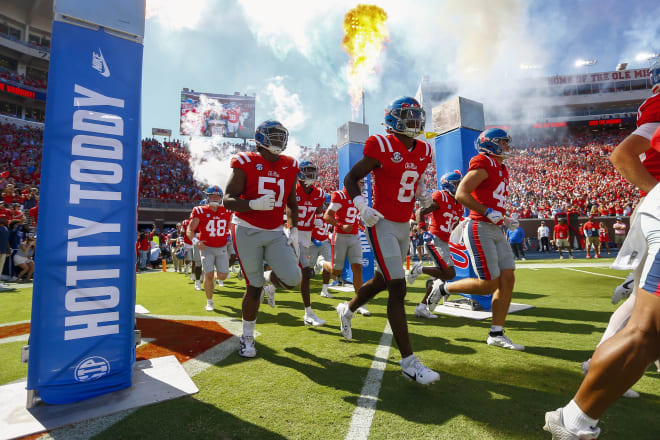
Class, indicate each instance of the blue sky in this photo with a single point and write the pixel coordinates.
(289, 52)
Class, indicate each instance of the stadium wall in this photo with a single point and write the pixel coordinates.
(531, 225)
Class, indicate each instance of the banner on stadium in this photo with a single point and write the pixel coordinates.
(600, 77)
(210, 114)
(82, 327)
(161, 132)
(24, 92)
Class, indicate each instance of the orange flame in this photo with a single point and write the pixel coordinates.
(365, 35)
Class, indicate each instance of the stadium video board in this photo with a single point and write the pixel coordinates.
(209, 114)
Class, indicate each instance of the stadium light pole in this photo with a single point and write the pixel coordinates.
(648, 56)
(585, 63)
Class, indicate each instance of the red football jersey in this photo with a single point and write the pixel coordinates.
(397, 176)
(233, 115)
(345, 212)
(307, 206)
(213, 225)
(264, 177)
(561, 232)
(321, 233)
(446, 216)
(184, 228)
(493, 191)
(649, 111)
(655, 141)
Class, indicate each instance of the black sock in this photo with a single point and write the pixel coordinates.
(494, 334)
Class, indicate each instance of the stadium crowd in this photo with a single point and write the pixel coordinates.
(23, 80)
(165, 175)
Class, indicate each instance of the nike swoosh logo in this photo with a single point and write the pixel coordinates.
(413, 377)
(627, 284)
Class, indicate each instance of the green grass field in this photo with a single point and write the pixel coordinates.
(305, 383)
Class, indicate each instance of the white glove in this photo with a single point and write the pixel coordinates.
(369, 215)
(263, 203)
(292, 235)
(318, 223)
(494, 216)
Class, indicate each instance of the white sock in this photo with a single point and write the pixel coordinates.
(421, 306)
(267, 275)
(248, 328)
(309, 311)
(209, 301)
(324, 288)
(575, 420)
(496, 328)
(407, 360)
(445, 288)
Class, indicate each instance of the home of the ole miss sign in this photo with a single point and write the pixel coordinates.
(599, 77)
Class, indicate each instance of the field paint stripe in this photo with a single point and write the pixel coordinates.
(594, 273)
(11, 339)
(366, 404)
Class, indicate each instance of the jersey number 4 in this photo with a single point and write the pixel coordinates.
(216, 229)
(500, 194)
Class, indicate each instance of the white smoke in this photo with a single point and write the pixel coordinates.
(209, 156)
(287, 107)
(177, 14)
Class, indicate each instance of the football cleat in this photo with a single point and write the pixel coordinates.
(221, 283)
(198, 285)
(345, 320)
(269, 290)
(416, 371)
(362, 310)
(313, 320)
(504, 342)
(422, 311)
(318, 267)
(416, 271)
(437, 293)
(623, 290)
(209, 306)
(554, 424)
(246, 347)
(326, 294)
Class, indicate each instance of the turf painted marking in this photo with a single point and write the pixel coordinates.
(366, 404)
(594, 273)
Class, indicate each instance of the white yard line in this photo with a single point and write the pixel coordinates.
(594, 273)
(366, 404)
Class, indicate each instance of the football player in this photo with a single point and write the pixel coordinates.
(310, 200)
(321, 250)
(398, 163)
(262, 185)
(628, 345)
(344, 218)
(484, 191)
(212, 222)
(445, 213)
